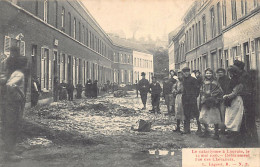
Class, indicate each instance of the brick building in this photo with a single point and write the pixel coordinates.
(61, 38)
(216, 32)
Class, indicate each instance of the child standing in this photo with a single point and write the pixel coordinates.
(155, 89)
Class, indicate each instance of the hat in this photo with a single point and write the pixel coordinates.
(220, 69)
(234, 70)
(186, 69)
(142, 74)
(239, 64)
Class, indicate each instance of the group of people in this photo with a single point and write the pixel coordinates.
(65, 91)
(227, 101)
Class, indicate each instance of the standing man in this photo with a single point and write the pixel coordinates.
(155, 95)
(55, 89)
(79, 89)
(70, 89)
(143, 87)
(189, 100)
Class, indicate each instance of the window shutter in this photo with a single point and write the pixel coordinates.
(22, 48)
(7, 46)
(42, 68)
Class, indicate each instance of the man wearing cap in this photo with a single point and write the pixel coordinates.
(143, 86)
(189, 100)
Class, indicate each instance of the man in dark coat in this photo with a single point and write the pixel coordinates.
(143, 87)
(88, 87)
(79, 89)
(70, 89)
(248, 128)
(94, 89)
(63, 90)
(155, 89)
(189, 100)
(55, 89)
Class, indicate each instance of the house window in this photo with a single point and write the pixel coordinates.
(196, 35)
(219, 18)
(63, 19)
(234, 10)
(46, 11)
(213, 29)
(45, 69)
(74, 28)
(36, 7)
(242, 7)
(80, 32)
(234, 53)
(199, 34)
(226, 59)
(255, 3)
(193, 36)
(87, 37)
(224, 11)
(56, 13)
(92, 41)
(69, 24)
(204, 29)
(220, 58)
(245, 6)
(83, 34)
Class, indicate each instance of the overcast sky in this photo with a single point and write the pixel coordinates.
(154, 18)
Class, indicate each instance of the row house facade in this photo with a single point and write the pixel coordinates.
(143, 62)
(61, 39)
(216, 32)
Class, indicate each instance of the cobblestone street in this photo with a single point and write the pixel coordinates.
(97, 132)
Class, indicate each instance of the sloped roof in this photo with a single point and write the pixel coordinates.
(128, 44)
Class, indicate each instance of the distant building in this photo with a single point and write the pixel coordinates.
(143, 62)
(215, 33)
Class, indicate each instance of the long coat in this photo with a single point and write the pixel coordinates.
(143, 86)
(189, 97)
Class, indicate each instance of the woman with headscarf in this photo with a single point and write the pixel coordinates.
(234, 102)
(210, 97)
(13, 101)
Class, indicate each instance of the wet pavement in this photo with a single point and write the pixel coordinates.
(99, 132)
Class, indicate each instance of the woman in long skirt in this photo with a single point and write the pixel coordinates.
(234, 102)
(210, 97)
(177, 91)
